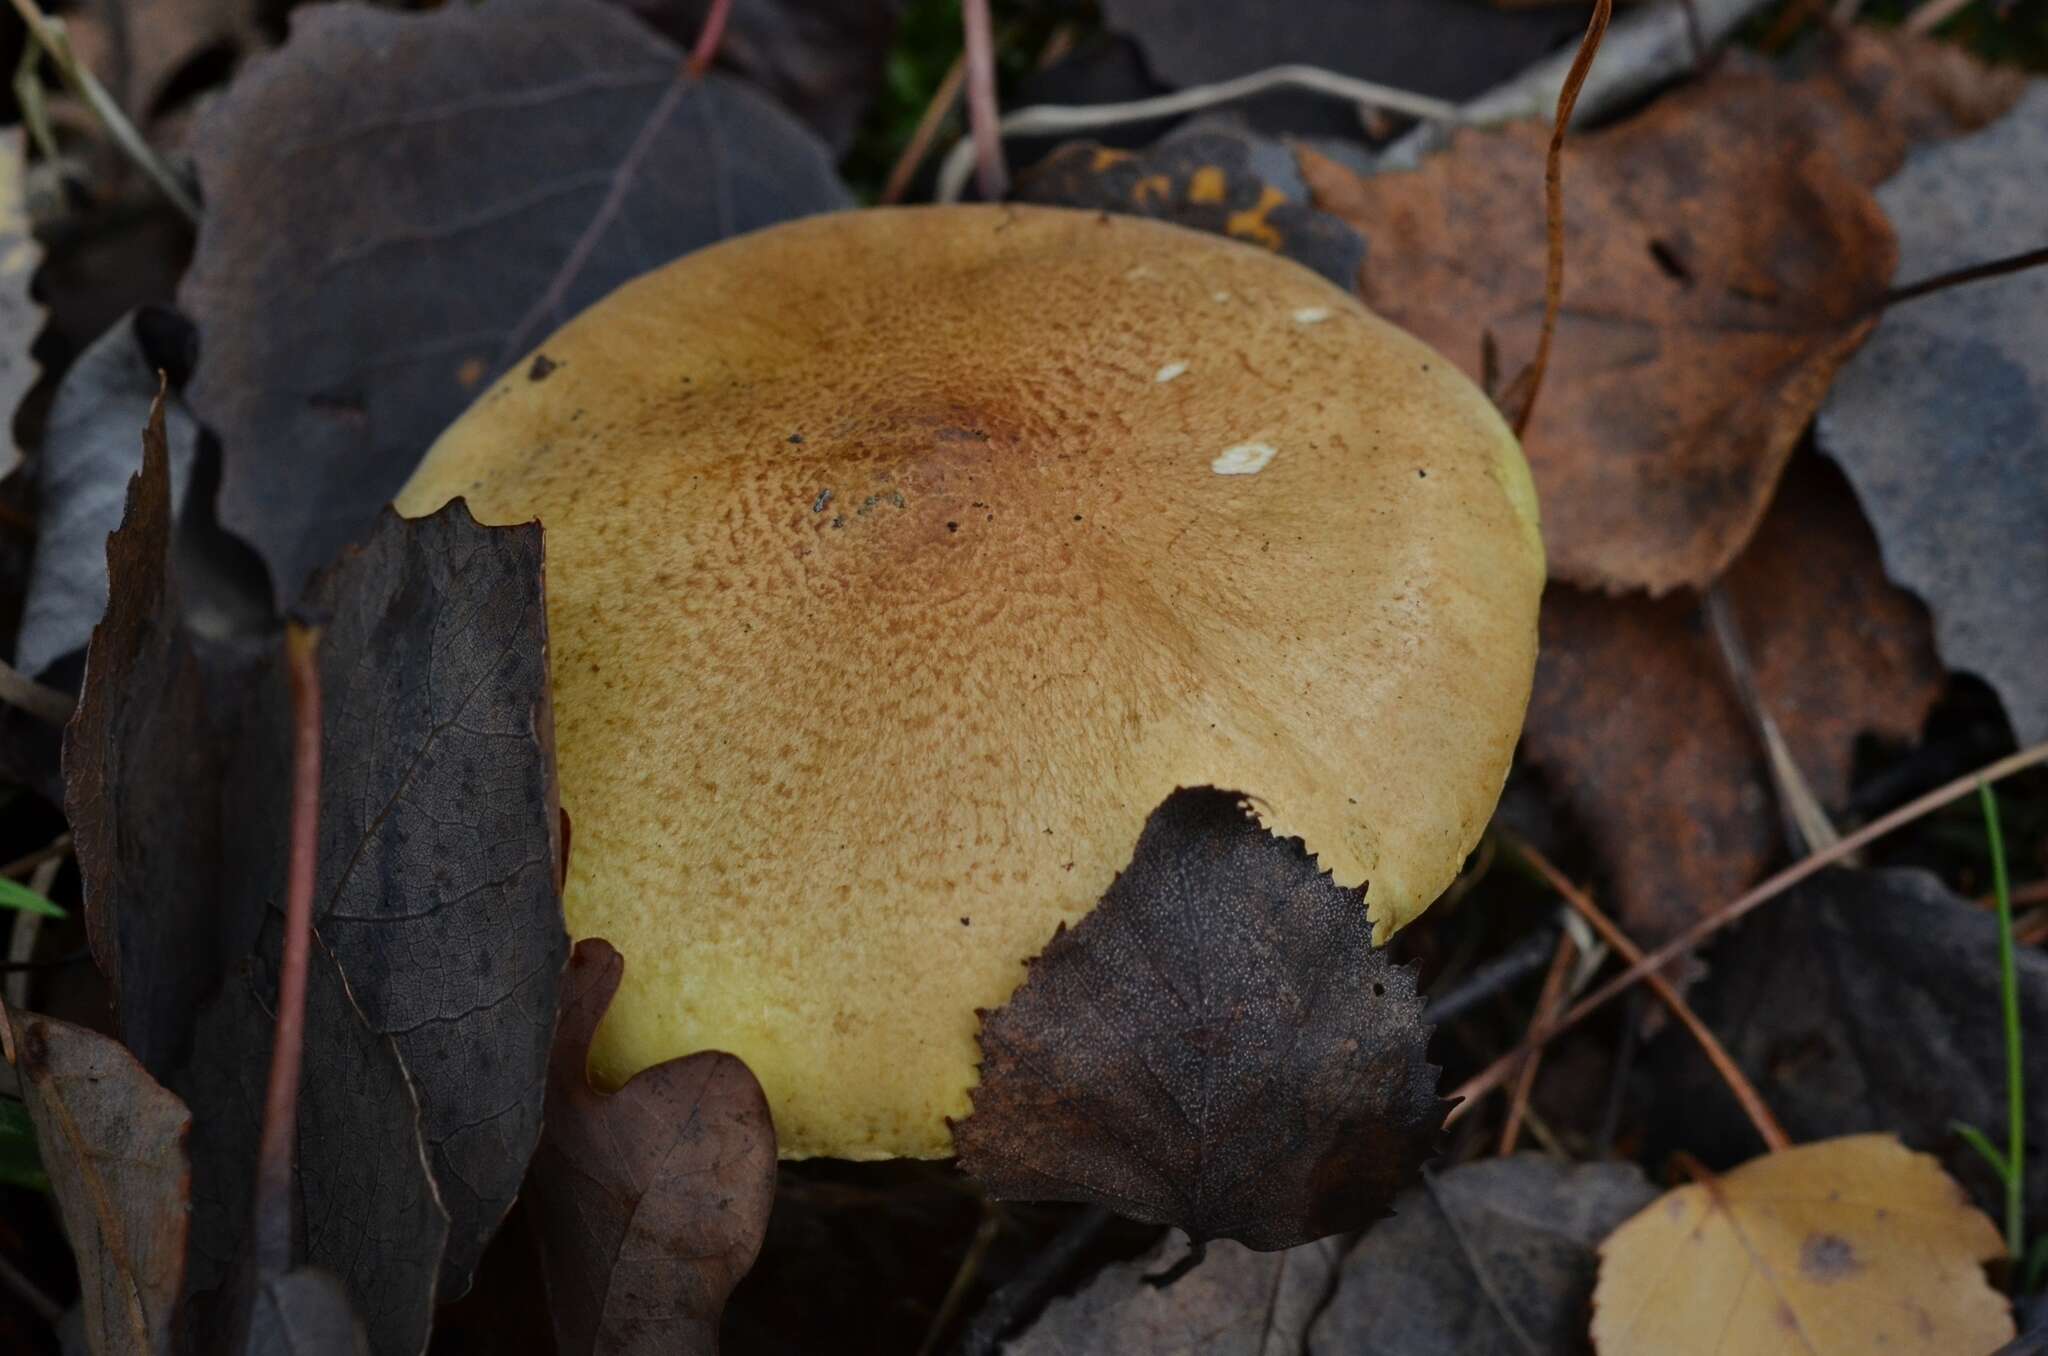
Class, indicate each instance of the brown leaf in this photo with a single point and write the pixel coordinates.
(1217, 1046)
(1213, 179)
(140, 783)
(1722, 262)
(1850, 1245)
(1236, 1303)
(113, 1145)
(139, 48)
(400, 205)
(1636, 724)
(650, 1203)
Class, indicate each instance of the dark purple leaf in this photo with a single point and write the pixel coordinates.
(1218, 1046)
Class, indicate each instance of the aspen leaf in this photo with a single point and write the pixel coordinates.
(1849, 1245)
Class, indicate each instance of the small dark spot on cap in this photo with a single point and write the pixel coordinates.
(1077, 517)
(796, 437)
(1828, 1257)
(966, 922)
(1421, 474)
(824, 498)
(541, 367)
(839, 521)
(952, 527)
(1379, 990)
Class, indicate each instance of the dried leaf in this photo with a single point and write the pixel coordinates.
(1213, 179)
(305, 1313)
(113, 1145)
(823, 60)
(1450, 48)
(435, 193)
(139, 48)
(1850, 1245)
(1723, 262)
(91, 448)
(438, 837)
(141, 773)
(1236, 1303)
(1489, 1259)
(20, 318)
(367, 1209)
(651, 1202)
(1217, 1046)
(1636, 724)
(1846, 1003)
(1940, 422)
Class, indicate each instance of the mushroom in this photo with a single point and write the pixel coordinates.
(900, 562)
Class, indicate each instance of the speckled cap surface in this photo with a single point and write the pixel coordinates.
(900, 562)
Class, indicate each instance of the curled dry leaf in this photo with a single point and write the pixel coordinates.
(1810, 996)
(113, 1145)
(367, 1212)
(434, 194)
(1217, 1046)
(20, 318)
(1636, 724)
(650, 1202)
(1847, 1246)
(1942, 421)
(1214, 179)
(1236, 1303)
(1489, 1259)
(1723, 262)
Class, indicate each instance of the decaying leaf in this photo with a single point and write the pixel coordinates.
(367, 1212)
(823, 60)
(142, 768)
(1942, 422)
(1494, 1258)
(113, 1144)
(1847, 1246)
(1811, 997)
(1636, 724)
(1235, 1303)
(1723, 262)
(399, 206)
(1214, 179)
(20, 318)
(650, 1202)
(91, 449)
(1217, 1046)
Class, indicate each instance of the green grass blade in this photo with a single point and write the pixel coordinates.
(2015, 1076)
(20, 1164)
(1981, 1142)
(15, 895)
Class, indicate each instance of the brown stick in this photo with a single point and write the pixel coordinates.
(943, 99)
(1492, 1076)
(273, 1195)
(1753, 1106)
(1549, 1002)
(708, 38)
(1531, 381)
(982, 114)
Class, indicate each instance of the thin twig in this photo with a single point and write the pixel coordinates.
(708, 38)
(29, 1293)
(1501, 973)
(1491, 1077)
(1941, 282)
(1806, 823)
(1008, 1306)
(60, 846)
(965, 1275)
(46, 704)
(273, 1195)
(1933, 15)
(1055, 119)
(1522, 392)
(1549, 1003)
(984, 118)
(935, 113)
(1753, 1105)
(49, 35)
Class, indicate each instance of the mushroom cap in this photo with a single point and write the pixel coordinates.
(901, 562)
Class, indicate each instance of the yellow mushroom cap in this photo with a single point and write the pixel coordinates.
(901, 562)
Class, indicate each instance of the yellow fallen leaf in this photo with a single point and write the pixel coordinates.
(1853, 1245)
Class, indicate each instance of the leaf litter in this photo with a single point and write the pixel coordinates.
(1712, 292)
